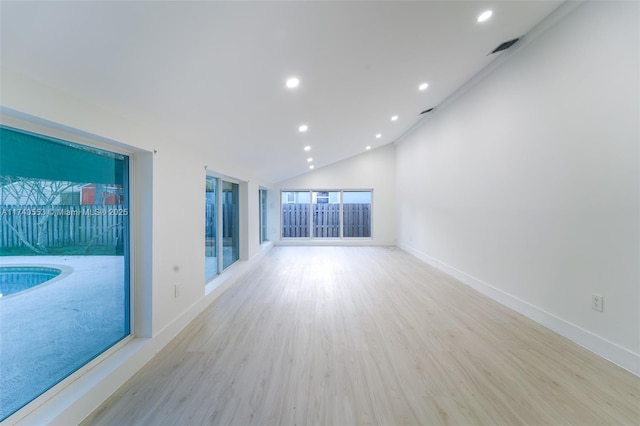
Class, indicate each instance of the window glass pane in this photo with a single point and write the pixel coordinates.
(295, 214)
(296, 197)
(263, 215)
(230, 220)
(211, 217)
(326, 214)
(64, 260)
(357, 214)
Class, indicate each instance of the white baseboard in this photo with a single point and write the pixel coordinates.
(344, 242)
(72, 400)
(610, 351)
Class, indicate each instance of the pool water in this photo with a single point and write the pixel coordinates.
(14, 279)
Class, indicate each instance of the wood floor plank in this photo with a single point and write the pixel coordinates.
(367, 335)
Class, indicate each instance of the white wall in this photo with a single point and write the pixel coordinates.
(527, 185)
(374, 170)
(169, 179)
(178, 187)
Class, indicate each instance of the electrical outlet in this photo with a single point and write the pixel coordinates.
(597, 302)
(177, 291)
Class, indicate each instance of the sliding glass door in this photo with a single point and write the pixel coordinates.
(222, 231)
(64, 260)
(326, 214)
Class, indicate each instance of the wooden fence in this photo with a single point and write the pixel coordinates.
(326, 220)
(60, 226)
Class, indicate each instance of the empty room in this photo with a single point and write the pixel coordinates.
(319, 212)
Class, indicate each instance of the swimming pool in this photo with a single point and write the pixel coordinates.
(14, 279)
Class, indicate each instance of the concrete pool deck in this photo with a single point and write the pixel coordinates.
(49, 331)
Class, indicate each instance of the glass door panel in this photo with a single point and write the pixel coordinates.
(326, 214)
(263, 215)
(211, 221)
(356, 216)
(230, 222)
(295, 214)
(64, 260)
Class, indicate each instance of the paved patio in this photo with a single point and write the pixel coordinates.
(51, 330)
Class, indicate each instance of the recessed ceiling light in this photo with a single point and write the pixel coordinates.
(307, 148)
(293, 82)
(394, 118)
(303, 128)
(485, 15)
(309, 160)
(312, 167)
(379, 135)
(368, 147)
(423, 86)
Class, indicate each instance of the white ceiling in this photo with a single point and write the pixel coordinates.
(215, 71)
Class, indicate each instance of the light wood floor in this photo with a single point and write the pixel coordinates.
(364, 335)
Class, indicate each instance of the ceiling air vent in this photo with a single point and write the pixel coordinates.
(504, 46)
(426, 111)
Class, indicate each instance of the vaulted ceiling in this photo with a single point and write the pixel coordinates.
(215, 72)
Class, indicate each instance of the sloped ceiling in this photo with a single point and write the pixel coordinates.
(215, 71)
